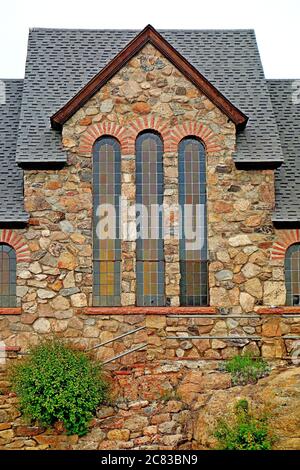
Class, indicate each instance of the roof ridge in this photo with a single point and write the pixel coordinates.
(40, 28)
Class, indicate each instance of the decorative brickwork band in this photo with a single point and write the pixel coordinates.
(127, 136)
(285, 239)
(195, 129)
(17, 242)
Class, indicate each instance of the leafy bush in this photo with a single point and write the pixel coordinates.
(56, 383)
(243, 431)
(246, 369)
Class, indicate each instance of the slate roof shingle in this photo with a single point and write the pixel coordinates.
(11, 175)
(287, 183)
(60, 62)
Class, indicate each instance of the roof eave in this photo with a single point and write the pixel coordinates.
(23, 219)
(286, 222)
(248, 164)
(58, 161)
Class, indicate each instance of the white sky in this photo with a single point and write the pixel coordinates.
(276, 22)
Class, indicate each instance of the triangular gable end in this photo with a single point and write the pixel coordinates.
(149, 35)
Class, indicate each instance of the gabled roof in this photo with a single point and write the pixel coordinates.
(148, 35)
(287, 182)
(11, 176)
(61, 62)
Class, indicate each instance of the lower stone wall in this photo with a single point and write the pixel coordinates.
(138, 425)
(157, 407)
(151, 408)
(145, 413)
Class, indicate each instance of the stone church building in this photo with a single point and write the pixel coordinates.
(177, 118)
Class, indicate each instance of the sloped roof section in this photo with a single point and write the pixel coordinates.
(287, 184)
(61, 62)
(148, 35)
(11, 176)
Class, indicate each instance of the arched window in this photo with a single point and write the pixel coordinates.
(106, 214)
(7, 276)
(149, 198)
(292, 274)
(193, 240)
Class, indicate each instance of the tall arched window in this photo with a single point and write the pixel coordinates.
(193, 240)
(7, 276)
(149, 198)
(292, 274)
(106, 214)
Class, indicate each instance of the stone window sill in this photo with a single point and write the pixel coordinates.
(10, 310)
(14, 349)
(277, 310)
(148, 310)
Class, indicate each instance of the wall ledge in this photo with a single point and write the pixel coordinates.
(10, 310)
(277, 310)
(10, 348)
(147, 310)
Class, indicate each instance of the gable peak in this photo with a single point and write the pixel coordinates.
(148, 35)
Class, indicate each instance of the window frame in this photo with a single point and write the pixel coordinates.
(295, 247)
(143, 300)
(202, 261)
(10, 300)
(100, 260)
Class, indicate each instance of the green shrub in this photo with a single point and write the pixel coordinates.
(56, 383)
(246, 369)
(243, 431)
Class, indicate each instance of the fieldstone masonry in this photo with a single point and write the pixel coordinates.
(54, 280)
(162, 407)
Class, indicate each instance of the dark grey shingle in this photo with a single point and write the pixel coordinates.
(287, 183)
(11, 176)
(60, 62)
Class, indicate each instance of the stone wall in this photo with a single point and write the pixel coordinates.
(54, 284)
(164, 406)
(146, 412)
(149, 93)
(162, 336)
(239, 202)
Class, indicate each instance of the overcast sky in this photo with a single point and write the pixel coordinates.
(276, 22)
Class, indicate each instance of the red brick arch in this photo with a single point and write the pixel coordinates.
(286, 238)
(95, 131)
(17, 242)
(152, 122)
(196, 129)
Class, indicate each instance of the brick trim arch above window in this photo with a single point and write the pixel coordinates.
(110, 129)
(285, 239)
(17, 242)
(151, 123)
(192, 128)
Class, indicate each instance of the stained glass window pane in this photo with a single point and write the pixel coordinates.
(106, 214)
(7, 276)
(292, 275)
(193, 287)
(149, 200)
(193, 240)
